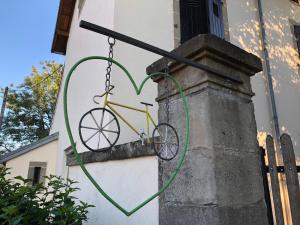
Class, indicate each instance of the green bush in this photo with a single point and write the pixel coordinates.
(21, 203)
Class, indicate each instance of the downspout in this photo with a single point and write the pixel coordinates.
(268, 72)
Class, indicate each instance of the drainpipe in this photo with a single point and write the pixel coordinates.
(268, 73)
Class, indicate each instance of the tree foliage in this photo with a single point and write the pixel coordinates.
(21, 203)
(30, 107)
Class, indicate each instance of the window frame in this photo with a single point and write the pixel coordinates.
(37, 169)
(222, 31)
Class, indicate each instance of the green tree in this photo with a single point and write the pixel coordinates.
(30, 107)
(54, 203)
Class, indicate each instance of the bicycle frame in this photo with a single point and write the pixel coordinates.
(110, 105)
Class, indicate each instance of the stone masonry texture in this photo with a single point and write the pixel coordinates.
(220, 182)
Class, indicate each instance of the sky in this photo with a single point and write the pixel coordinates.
(26, 33)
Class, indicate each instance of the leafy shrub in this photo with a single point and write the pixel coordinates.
(23, 204)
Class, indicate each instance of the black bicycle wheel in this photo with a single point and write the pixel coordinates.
(99, 129)
(165, 141)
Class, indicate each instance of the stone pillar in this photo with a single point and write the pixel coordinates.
(220, 182)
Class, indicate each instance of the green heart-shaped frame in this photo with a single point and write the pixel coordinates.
(138, 91)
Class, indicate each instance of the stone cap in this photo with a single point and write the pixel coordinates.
(129, 150)
(214, 44)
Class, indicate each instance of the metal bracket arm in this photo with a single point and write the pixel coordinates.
(151, 48)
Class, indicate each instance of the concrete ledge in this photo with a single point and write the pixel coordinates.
(119, 152)
(211, 43)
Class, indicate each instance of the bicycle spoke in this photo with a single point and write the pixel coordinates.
(95, 120)
(101, 123)
(106, 138)
(99, 137)
(171, 137)
(91, 136)
(160, 144)
(91, 128)
(99, 129)
(108, 123)
(166, 144)
(172, 152)
(162, 148)
(163, 136)
(165, 154)
(172, 144)
(166, 150)
(159, 133)
(111, 131)
(166, 133)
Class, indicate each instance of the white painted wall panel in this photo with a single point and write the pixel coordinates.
(129, 182)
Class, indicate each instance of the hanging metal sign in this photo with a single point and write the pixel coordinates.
(162, 132)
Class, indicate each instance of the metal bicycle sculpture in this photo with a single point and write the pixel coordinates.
(99, 134)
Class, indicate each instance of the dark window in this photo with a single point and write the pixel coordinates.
(37, 172)
(297, 35)
(36, 175)
(200, 17)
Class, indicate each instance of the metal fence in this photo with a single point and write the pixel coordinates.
(275, 187)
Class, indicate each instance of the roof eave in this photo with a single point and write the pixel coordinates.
(29, 147)
(63, 26)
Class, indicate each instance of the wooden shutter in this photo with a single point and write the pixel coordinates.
(216, 18)
(193, 18)
(297, 35)
(200, 17)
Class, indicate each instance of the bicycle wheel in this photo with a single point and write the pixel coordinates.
(165, 141)
(99, 129)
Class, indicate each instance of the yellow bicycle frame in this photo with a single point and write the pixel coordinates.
(110, 105)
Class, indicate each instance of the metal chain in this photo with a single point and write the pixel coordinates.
(167, 70)
(111, 42)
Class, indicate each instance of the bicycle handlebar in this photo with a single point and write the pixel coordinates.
(106, 92)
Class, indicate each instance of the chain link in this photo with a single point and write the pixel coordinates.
(111, 42)
(167, 70)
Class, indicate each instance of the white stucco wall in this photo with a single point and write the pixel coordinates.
(245, 32)
(285, 62)
(47, 153)
(142, 20)
(129, 182)
(88, 80)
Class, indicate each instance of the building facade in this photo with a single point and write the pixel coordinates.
(33, 161)
(266, 28)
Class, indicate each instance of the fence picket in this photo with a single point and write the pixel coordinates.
(291, 177)
(274, 181)
(266, 186)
